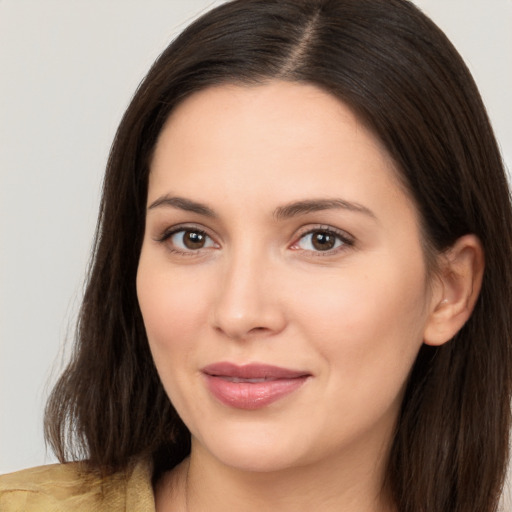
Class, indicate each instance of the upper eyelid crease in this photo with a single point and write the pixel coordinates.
(344, 236)
(167, 233)
(182, 227)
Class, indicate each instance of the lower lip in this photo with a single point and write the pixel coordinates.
(252, 395)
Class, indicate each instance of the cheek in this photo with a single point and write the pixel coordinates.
(354, 302)
(174, 318)
(367, 329)
(171, 307)
(366, 323)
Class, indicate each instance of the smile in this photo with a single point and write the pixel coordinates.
(251, 386)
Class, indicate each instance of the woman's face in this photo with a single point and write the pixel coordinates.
(282, 280)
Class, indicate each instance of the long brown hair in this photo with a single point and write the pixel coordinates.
(405, 80)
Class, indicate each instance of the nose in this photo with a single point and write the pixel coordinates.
(247, 303)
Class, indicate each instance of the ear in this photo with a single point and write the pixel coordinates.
(461, 270)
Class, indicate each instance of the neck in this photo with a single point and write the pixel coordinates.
(342, 482)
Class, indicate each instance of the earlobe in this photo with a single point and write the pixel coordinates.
(459, 282)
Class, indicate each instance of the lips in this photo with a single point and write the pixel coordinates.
(251, 386)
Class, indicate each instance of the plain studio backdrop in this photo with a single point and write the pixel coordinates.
(67, 72)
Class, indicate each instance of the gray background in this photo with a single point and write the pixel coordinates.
(67, 72)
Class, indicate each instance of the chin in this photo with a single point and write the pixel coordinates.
(252, 449)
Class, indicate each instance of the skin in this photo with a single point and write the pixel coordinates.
(353, 317)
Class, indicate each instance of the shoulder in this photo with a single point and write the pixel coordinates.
(72, 487)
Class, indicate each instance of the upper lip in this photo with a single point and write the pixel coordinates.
(252, 371)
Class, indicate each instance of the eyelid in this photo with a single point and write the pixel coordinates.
(167, 233)
(346, 238)
(176, 228)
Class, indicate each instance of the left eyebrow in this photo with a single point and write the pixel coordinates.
(182, 203)
(315, 205)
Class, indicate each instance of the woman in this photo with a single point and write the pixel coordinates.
(300, 295)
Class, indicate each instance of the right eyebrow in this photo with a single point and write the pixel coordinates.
(182, 204)
(316, 205)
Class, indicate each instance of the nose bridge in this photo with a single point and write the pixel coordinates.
(246, 301)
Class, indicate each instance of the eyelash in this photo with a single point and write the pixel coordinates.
(167, 234)
(346, 240)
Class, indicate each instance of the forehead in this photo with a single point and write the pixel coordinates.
(277, 111)
(279, 141)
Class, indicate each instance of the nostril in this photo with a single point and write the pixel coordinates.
(255, 330)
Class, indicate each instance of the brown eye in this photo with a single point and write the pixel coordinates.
(186, 240)
(322, 240)
(194, 239)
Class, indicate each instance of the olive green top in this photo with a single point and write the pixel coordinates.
(69, 487)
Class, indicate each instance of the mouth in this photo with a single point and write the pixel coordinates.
(251, 386)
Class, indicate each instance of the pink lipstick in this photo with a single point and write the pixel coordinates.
(251, 386)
